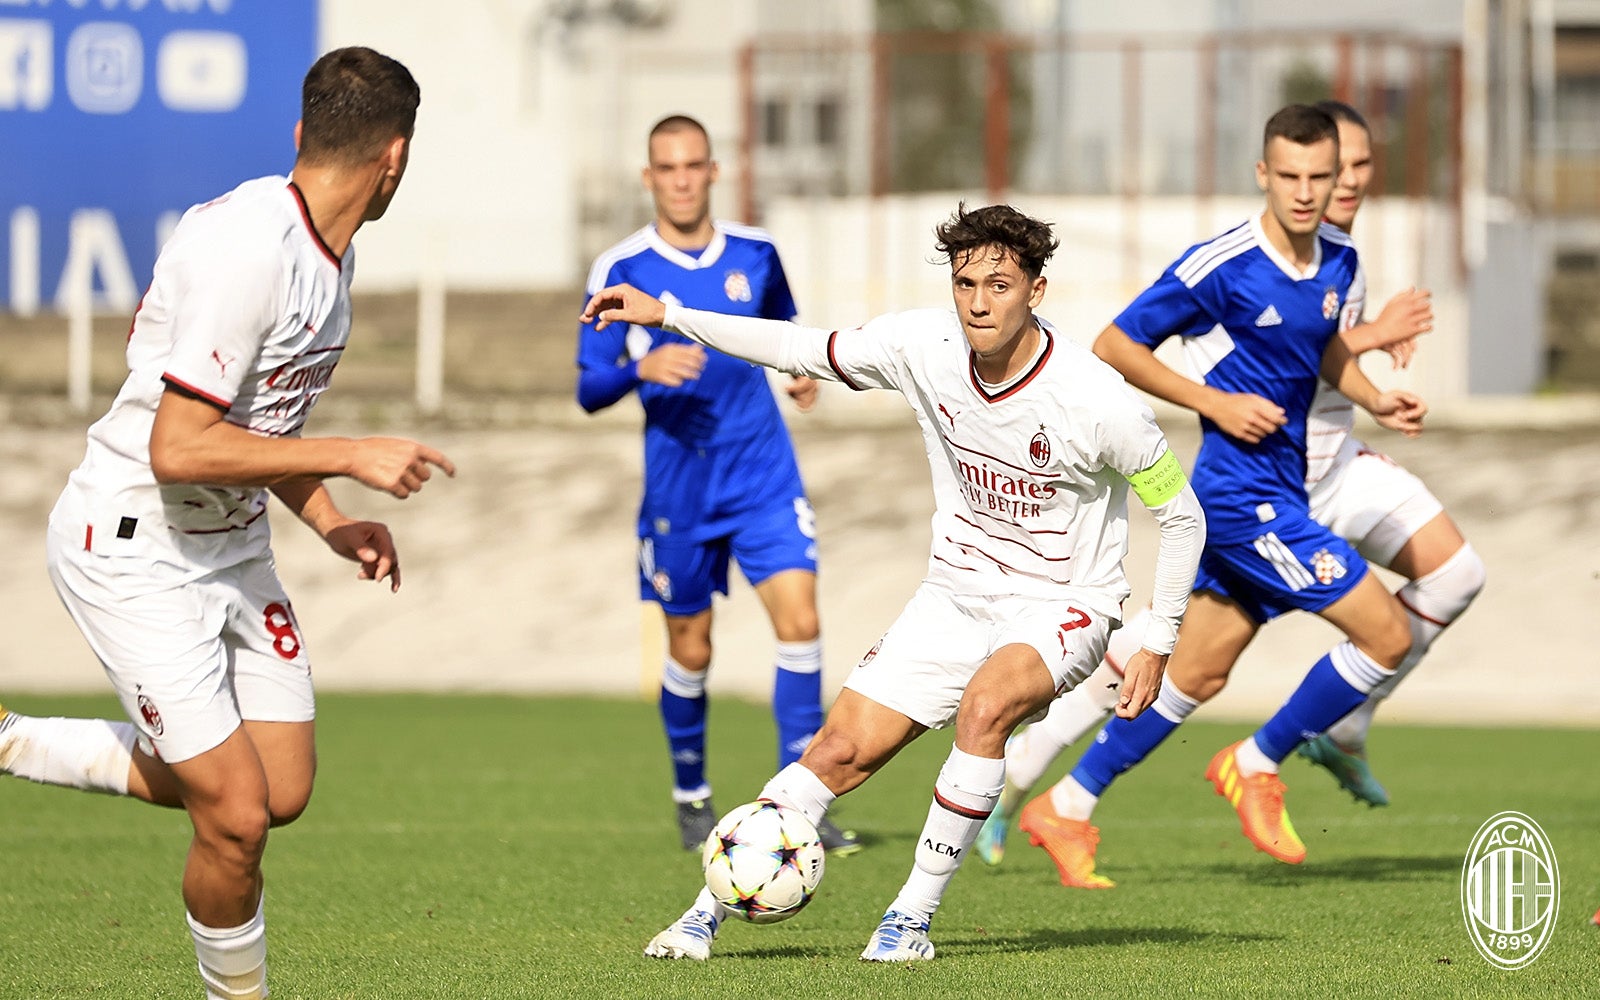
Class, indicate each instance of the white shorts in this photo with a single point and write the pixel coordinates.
(921, 666)
(189, 657)
(1374, 504)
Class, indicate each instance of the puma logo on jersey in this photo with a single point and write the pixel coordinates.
(948, 416)
(222, 363)
(1269, 317)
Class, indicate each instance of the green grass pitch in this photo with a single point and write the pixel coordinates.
(480, 847)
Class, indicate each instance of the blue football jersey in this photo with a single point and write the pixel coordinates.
(738, 273)
(1251, 323)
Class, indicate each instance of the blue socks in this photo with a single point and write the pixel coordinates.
(1337, 684)
(683, 713)
(1122, 744)
(1119, 746)
(797, 698)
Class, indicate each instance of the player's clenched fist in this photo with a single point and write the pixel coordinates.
(396, 466)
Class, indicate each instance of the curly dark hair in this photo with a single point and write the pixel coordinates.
(352, 103)
(1028, 240)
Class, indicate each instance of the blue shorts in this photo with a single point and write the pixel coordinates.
(745, 502)
(1295, 564)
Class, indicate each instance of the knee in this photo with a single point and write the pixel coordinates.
(286, 807)
(236, 831)
(692, 653)
(838, 759)
(1198, 680)
(798, 625)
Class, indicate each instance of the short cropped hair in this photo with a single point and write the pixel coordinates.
(678, 123)
(1339, 111)
(353, 102)
(1029, 240)
(1302, 125)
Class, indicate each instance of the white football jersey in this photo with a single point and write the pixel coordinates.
(1332, 417)
(248, 310)
(1030, 482)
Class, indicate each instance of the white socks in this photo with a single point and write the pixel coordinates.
(965, 794)
(233, 960)
(800, 657)
(91, 754)
(1071, 800)
(796, 787)
(1251, 760)
(1432, 603)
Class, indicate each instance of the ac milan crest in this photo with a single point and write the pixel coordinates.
(151, 715)
(871, 653)
(1039, 450)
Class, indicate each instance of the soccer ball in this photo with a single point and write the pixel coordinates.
(763, 861)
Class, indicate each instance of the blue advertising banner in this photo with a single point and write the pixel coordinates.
(116, 115)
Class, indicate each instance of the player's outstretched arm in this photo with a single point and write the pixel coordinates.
(366, 542)
(1239, 414)
(191, 443)
(772, 343)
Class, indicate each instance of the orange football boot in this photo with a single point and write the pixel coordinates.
(1069, 842)
(1258, 799)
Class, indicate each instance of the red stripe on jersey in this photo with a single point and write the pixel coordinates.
(960, 810)
(1038, 366)
(1013, 541)
(186, 387)
(88, 538)
(305, 214)
(971, 549)
(834, 364)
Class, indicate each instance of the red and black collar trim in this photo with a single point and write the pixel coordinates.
(1021, 383)
(305, 214)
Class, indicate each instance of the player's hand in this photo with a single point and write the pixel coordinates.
(803, 390)
(1406, 316)
(395, 465)
(1402, 353)
(673, 364)
(1246, 416)
(1141, 681)
(368, 543)
(623, 304)
(1400, 410)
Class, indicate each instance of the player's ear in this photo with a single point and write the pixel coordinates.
(1261, 175)
(298, 127)
(716, 170)
(394, 156)
(1036, 291)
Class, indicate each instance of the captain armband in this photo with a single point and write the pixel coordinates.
(1161, 482)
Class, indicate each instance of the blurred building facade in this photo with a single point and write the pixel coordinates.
(849, 127)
